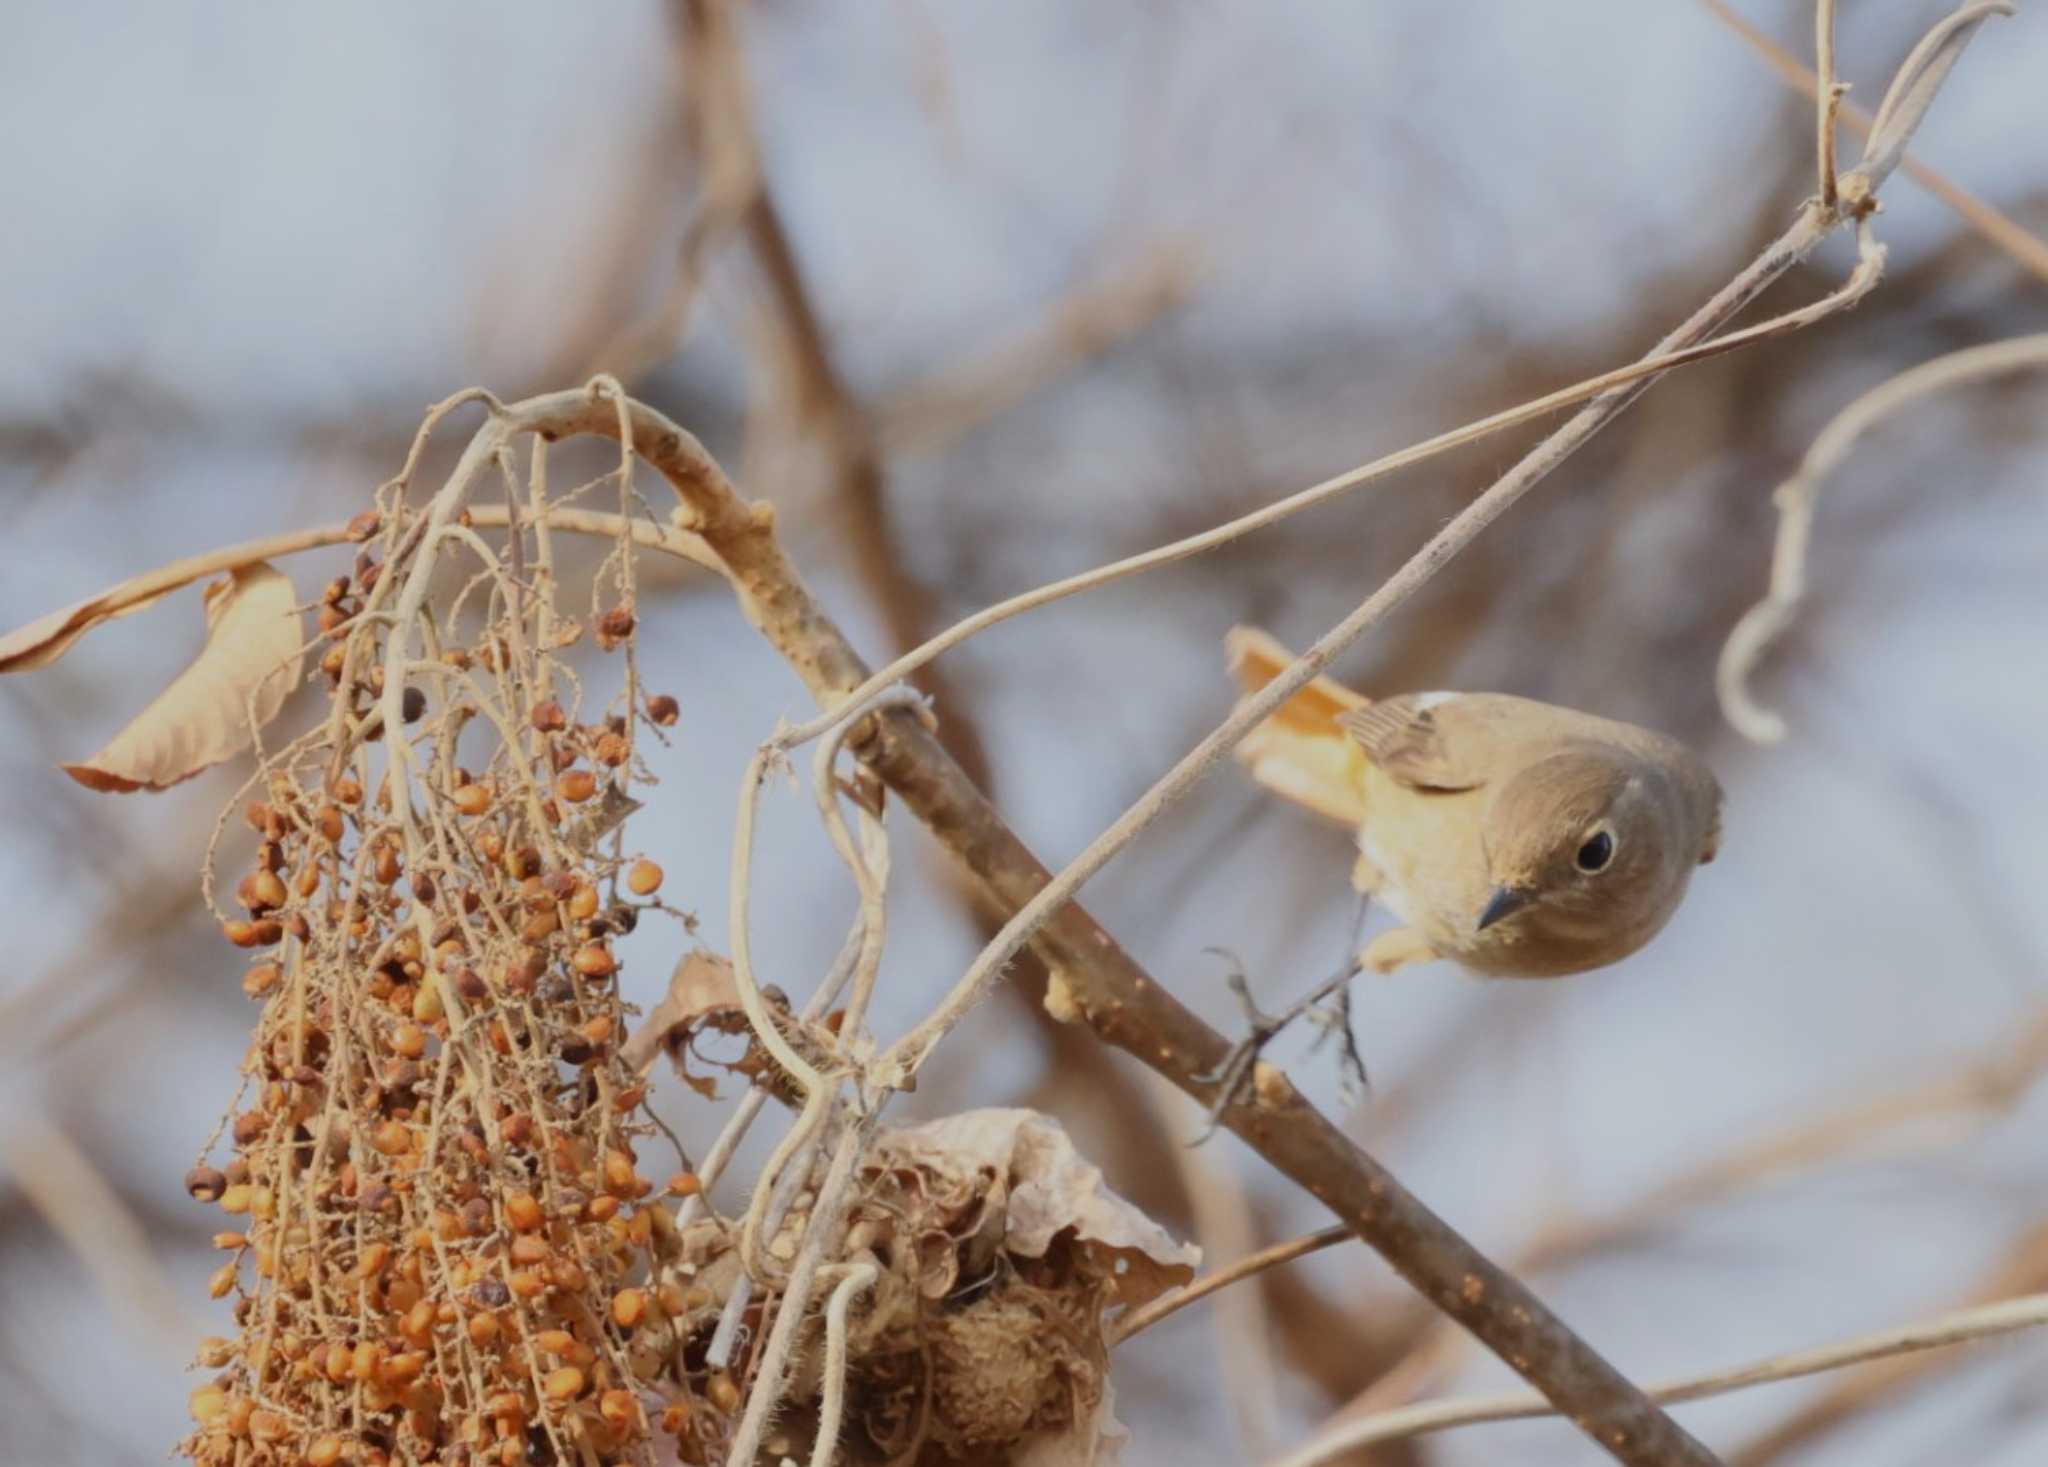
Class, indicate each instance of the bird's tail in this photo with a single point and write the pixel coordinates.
(1300, 753)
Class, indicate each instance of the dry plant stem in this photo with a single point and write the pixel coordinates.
(1167, 1305)
(1829, 94)
(1886, 1382)
(903, 1058)
(856, 701)
(2027, 249)
(832, 1410)
(1765, 622)
(827, 1216)
(1960, 1327)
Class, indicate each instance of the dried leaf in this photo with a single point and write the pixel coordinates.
(249, 666)
(1048, 1188)
(47, 638)
(701, 984)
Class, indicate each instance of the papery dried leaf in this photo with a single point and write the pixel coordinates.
(701, 984)
(1050, 1189)
(47, 638)
(249, 666)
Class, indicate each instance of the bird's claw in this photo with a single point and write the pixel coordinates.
(1231, 1076)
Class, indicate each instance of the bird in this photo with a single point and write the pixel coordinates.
(1514, 838)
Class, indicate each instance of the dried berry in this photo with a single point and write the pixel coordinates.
(614, 626)
(663, 710)
(576, 786)
(205, 1184)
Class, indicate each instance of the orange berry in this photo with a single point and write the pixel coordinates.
(392, 1138)
(409, 1040)
(208, 1403)
(619, 1409)
(472, 799)
(723, 1393)
(644, 879)
(222, 1282)
(403, 1369)
(629, 1307)
(619, 1177)
(237, 1198)
(482, 1329)
(583, 902)
(524, 1212)
(260, 979)
(564, 1384)
(576, 786)
(324, 1452)
(595, 960)
(685, 1184)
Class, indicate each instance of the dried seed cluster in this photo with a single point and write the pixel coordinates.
(434, 1210)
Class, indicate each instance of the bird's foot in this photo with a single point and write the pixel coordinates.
(1231, 1077)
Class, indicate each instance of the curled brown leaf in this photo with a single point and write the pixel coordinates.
(214, 708)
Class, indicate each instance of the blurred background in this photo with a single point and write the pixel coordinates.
(1027, 288)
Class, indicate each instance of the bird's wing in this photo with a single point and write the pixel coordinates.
(1404, 737)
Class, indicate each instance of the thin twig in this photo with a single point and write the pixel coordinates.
(1165, 1305)
(1885, 1382)
(1764, 622)
(2026, 248)
(855, 702)
(1829, 94)
(1960, 1327)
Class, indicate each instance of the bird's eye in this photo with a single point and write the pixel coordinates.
(1596, 852)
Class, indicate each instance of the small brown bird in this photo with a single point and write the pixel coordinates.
(1517, 839)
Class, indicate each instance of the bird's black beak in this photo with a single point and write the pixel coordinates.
(1506, 902)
